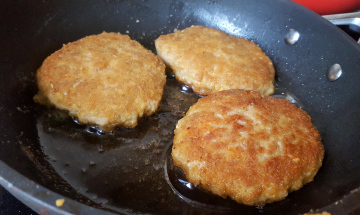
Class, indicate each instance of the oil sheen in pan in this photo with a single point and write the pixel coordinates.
(131, 170)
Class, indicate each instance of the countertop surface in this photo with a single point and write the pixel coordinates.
(9, 205)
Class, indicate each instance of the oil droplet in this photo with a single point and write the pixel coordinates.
(186, 183)
(95, 130)
(334, 72)
(284, 94)
(292, 37)
(76, 120)
(186, 89)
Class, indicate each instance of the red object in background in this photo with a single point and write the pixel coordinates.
(324, 7)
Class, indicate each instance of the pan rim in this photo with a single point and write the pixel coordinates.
(46, 201)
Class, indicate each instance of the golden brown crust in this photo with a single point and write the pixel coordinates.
(253, 149)
(210, 60)
(107, 79)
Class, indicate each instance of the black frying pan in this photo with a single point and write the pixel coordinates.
(45, 155)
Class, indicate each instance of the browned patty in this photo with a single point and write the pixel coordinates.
(106, 80)
(251, 148)
(210, 60)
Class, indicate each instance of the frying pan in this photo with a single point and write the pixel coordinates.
(46, 155)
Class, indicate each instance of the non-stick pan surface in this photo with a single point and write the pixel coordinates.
(45, 155)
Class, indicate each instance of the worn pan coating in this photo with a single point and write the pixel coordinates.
(45, 155)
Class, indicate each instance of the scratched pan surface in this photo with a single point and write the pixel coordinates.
(46, 155)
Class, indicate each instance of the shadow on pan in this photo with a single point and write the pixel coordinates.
(46, 155)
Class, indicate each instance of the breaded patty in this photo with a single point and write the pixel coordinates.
(106, 80)
(210, 60)
(251, 148)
